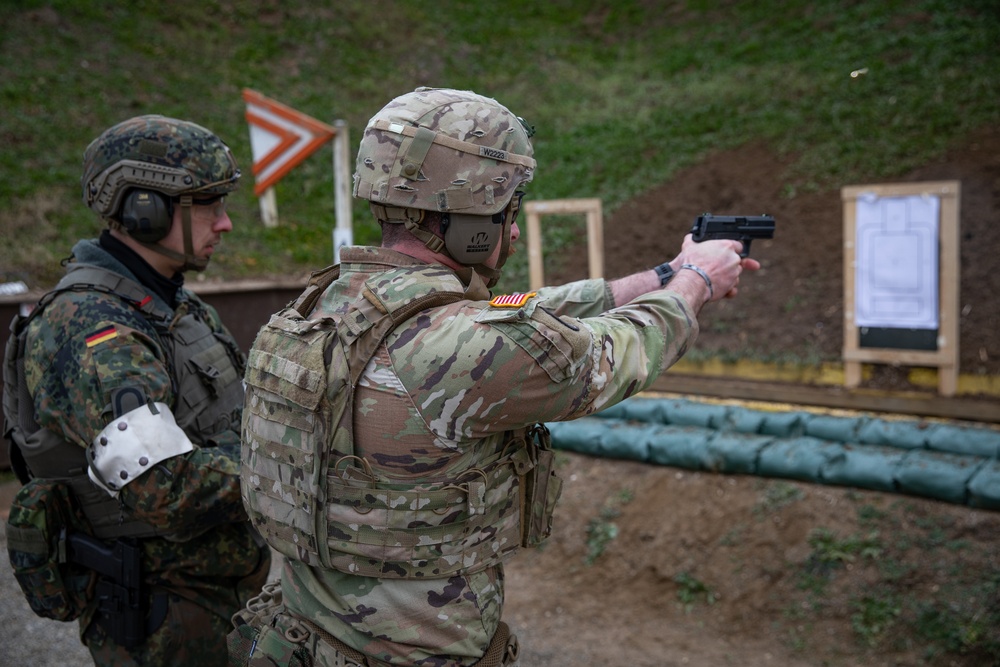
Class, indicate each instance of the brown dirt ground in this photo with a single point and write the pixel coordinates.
(747, 540)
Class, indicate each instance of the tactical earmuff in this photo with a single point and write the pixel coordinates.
(470, 239)
(147, 215)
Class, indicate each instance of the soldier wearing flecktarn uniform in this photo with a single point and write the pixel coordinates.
(394, 447)
(123, 402)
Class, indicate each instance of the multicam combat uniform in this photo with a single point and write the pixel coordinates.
(437, 400)
(82, 350)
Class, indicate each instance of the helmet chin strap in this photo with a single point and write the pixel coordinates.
(187, 259)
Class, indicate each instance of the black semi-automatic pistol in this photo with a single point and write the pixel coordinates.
(743, 228)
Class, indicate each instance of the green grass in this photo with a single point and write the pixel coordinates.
(623, 94)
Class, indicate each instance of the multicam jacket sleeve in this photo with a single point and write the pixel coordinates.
(584, 298)
(561, 355)
(84, 346)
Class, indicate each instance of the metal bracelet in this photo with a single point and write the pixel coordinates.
(700, 272)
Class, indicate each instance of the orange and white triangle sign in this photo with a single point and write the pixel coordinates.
(280, 138)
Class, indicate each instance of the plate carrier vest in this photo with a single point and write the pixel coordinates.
(206, 368)
(313, 499)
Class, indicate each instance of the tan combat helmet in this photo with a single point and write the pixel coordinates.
(450, 151)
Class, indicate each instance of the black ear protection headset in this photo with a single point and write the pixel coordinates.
(147, 215)
(470, 239)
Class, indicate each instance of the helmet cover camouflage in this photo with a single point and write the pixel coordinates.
(440, 149)
(174, 157)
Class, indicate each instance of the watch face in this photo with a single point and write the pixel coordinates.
(665, 272)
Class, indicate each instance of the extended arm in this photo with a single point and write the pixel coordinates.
(719, 260)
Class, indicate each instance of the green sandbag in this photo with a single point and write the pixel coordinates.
(690, 413)
(740, 420)
(673, 412)
(984, 487)
(785, 424)
(937, 475)
(735, 453)
(956, 464)
(682, 447)
(965, 440)
(903, 434)
(582, 435)
(613, 438)
(864, 466)
(650, 411)
(626, 440)
(797, 458)
(837, 429)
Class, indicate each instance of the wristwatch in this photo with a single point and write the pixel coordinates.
(665, 272)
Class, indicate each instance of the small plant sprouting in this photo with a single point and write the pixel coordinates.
(776, 495)
(873, 615)
(601, 530)
(830, 551)
(690, 590)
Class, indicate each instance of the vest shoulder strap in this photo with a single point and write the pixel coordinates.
(318, 282)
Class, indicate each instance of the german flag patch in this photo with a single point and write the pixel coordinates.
(515, 300)
(102, 336)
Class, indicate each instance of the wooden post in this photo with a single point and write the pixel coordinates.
(269, 208)
(595, 234)
(343, 234)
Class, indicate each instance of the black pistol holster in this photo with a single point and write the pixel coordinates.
(121, 598)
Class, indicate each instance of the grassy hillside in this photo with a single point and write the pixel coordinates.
(622, 93)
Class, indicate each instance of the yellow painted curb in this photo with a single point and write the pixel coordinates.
(827, 373)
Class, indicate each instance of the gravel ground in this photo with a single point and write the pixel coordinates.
(29, 639)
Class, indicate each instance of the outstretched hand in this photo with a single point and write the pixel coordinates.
(721, 260)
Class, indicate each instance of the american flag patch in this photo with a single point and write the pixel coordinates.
(515, 300)
(102, 335)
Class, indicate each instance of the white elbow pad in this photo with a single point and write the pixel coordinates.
(134, 443)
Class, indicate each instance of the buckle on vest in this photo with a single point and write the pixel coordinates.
(475, 491)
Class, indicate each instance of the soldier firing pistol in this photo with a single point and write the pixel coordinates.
(743, 228)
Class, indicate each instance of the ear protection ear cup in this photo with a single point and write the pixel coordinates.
(146, 215)
(470, 239)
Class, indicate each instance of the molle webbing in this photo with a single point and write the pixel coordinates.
(397, 531)
(314, 500)
(188, 342)
(205, 367)
(45, 453)
(298, 420)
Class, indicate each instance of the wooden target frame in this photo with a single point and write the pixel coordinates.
(595, 234)
(945, 357)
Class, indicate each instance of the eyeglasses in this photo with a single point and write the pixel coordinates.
(217, 202)
(515, 205)
(208, 201)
